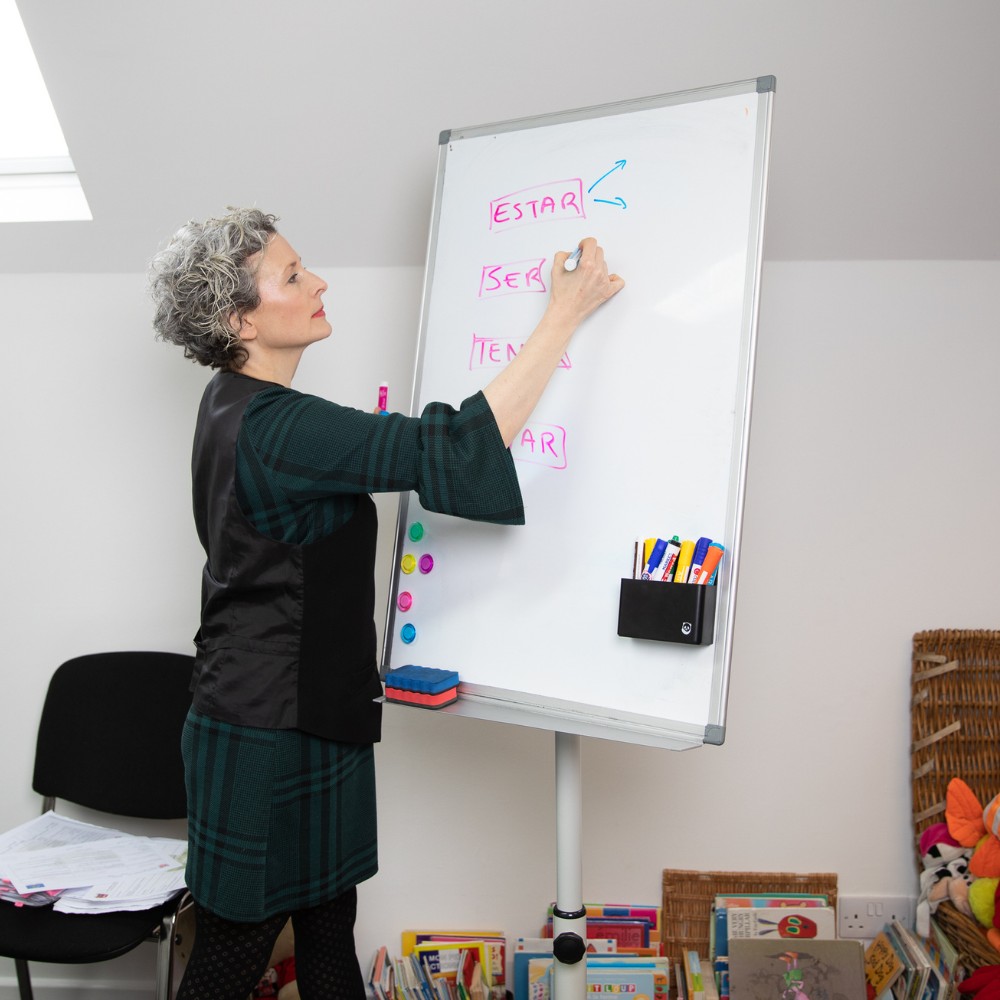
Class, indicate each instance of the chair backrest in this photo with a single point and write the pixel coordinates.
(110, 733)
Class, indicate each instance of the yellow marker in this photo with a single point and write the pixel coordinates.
(647, 550)
(684, 561)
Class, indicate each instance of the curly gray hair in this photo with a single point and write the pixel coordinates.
(202, 278)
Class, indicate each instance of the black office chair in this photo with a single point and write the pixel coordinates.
(109, 739)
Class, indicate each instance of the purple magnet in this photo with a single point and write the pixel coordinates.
(426, 563)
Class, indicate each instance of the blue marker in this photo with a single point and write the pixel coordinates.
(700, 551)
(654, 558)
(573, 259)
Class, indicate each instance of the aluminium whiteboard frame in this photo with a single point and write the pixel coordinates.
(512, 707)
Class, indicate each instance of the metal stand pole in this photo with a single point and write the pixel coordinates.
(569, 924)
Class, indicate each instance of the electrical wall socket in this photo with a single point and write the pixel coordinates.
(865, 916)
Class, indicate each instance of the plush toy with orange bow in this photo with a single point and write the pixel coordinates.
(973, 826)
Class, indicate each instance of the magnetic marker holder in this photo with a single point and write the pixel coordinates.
(667, 612)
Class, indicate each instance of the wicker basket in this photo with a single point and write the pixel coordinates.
(955, 729)
(688, 897)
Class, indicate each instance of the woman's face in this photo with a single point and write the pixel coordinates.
(290, 314)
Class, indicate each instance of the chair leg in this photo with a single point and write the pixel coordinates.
(165, 959)
(23, 979)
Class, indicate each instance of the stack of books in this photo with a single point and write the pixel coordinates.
(778, 919)
(900, 965)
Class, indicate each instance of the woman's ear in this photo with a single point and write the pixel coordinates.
(242, 327)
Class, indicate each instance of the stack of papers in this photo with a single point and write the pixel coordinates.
(87, 869)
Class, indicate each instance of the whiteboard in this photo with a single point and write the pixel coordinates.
(644, 427)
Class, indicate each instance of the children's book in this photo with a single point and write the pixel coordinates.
(765, 969)
(795, 923)
(882, 966)
(617, 982)
(693, 975)
(494, 943)
(928, 981)
(765, 915)
(945, 955)
(543, 945)
(627, 931)
(629, 911)
(657, 965)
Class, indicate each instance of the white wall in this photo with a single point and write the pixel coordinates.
(870, 515)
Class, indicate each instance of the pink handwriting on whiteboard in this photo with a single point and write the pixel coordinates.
(508, 279)
(542, 203)
(495, 352)
(542, 444)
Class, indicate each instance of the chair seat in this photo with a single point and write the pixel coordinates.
(40, 934)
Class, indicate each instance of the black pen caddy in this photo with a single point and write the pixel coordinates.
(668, 612)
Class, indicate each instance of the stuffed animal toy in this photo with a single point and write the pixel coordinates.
(983, 984)
(945, 875)
(973, 826)
(983, 900)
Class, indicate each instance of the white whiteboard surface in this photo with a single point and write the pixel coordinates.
(642, 431)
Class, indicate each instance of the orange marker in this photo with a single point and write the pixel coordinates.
(711, 563)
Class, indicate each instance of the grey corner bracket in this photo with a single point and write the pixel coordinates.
(715, 735)
(444, 137)
(766, 84)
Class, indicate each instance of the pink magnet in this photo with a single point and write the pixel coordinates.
(405, 601)
(426, 563)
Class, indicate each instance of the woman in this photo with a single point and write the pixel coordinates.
(278, 745)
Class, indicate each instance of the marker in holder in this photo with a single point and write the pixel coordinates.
(667, 612)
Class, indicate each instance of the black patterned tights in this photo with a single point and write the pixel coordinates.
(228, 959)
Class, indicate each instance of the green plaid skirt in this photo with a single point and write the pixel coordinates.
(278, 820)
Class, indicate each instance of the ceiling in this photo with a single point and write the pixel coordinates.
(885, 140)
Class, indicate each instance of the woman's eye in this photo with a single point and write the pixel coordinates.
(293, 279)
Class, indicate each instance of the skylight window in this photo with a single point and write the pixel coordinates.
(38, 181)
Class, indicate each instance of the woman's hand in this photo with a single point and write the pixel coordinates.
(512, 395)
(580, 291)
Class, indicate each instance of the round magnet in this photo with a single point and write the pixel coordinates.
(405, 601)
(408, 633)
(426, 563)
(408, 563)
(416, 531)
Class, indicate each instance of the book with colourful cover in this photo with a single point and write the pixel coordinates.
(617, 981)
(657, 965)
(543, 945)
(765, 969)
(796, 923)
(494, 942)
(629, 911)
(719, 924)
(945, 955)
(693, 975)
(882, 966)
(626, 931)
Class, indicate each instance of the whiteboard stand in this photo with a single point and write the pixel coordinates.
(569, 916)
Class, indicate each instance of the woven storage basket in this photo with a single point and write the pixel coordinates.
(955, 725)
(688, 897)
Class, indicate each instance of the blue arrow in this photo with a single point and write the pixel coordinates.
(618, 201)
(619, 165)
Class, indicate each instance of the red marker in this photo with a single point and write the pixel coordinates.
(383, 397)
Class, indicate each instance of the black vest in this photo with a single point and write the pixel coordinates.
(287, 637)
